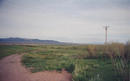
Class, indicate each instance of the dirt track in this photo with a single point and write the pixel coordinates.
(11, 69)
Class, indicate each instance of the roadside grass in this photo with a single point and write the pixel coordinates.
(84, 62)
(6, 50)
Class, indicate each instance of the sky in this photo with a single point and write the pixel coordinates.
(78, 21)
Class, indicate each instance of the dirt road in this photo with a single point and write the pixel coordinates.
(11, 69)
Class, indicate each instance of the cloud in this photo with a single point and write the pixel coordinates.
(65, 20)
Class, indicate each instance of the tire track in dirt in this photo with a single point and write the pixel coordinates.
(11, 69)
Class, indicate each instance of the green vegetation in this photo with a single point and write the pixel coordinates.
(6, 50)
(86, 62)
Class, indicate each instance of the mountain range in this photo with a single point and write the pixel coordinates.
(28, 41)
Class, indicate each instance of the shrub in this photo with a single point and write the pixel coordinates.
(91, 51)
(119, 54)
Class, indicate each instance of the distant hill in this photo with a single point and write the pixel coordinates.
(27, 41)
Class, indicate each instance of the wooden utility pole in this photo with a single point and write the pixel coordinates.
(106, 28)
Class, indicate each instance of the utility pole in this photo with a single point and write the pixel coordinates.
(106, 28)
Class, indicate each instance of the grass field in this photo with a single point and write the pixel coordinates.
(85, 62)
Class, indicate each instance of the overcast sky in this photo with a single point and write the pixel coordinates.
(79, 21)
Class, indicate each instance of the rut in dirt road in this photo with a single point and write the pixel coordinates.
(11, 69)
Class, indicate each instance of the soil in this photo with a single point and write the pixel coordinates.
(11, 69)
